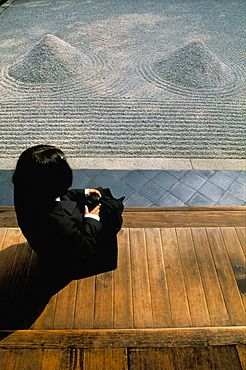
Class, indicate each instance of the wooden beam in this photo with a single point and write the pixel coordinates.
(122, 338)
(184, 216)
(135, 217)
(8, 217)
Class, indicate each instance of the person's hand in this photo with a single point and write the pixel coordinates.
(91, 191)
(95, 210)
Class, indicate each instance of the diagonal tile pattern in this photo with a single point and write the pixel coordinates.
(143, 188)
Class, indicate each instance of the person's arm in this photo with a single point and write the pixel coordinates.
(79, 196)
(95, 213)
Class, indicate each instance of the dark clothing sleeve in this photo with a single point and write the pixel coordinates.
(70, 237)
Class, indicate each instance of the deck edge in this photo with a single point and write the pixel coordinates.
(162, 337)
(134, 217)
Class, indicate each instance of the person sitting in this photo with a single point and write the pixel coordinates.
(69, 240)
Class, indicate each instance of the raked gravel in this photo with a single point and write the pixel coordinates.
(115, 79)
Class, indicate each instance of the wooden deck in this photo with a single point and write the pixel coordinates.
(176, 301)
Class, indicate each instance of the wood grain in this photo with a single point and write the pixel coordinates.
(65, 307)
(3, 232)
(211, 285)
(241, 350)
(159, 358)
(151, 358)
(123, 301)
(123, 338)
(175, 280)
(46, 320)
(85, 303)
(163, 216)
(12, 237)
(153, 312)
(184, 216)
(167, 277)
(103, 310)
(227, 278)
(9, 293)
(40, 358)
(237, 258)
(8, 217)
(142, 305)
(158, 281)
(192, 278)
(105, 358)
(226, 357)
(241, 232)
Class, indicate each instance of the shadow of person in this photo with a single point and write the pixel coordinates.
(26, 286)
(27, 283)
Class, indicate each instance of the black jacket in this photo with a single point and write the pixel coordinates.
(66, 241)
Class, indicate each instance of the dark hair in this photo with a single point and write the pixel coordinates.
(42, 172)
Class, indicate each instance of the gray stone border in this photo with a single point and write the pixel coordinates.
(145, 164)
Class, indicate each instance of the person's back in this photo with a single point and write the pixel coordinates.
(55, 220)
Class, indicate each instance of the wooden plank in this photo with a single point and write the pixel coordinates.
(46, 320)
(241, 232)
(65, 307)
(122, 338)
(123, 303)
(22, 239)
(31, 265)
(237, 258)
(179, 358)
(152, 359)
(85, 302)
(105, 358)
(3, 232)
(241, 350)
(190, 358)
(103, 314)
(193, 358)
(216, 357)
(158, 282)
(5, 354)
(195, 293)
(214, 297)
(175, 279)
(172, 358)
(226, 276)
(163, 216)
(142, 305)
(8, 217)
(12, 297)
(38, 359)
(20, 289)
(19, 359)
(8, 252)
(12, 237)
(184, 216)
(19, 268)
(33, 295)
(8, 249)
(226, 358)
(57, 359)
(222, 357)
